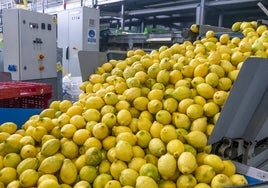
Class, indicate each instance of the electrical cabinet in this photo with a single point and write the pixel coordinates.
(78, 29)
(30, 48)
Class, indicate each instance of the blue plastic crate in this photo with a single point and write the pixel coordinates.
(17, 115)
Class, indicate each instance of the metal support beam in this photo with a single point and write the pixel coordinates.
(122, 16)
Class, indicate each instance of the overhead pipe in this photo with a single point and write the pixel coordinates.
(122, 16)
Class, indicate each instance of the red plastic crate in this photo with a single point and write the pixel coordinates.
(17, 94)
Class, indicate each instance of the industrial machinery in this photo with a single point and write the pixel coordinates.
(78, 29)
(29, 51)
(241, 132)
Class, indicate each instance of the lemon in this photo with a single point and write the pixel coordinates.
(202, 185)
(194, 28)
(117, 167)
(145, 181)
(168, 133)
(138, 151)
(136, 163)
(175, 147)
(181, 92)
(181, 120)
(163, 76)
(197, 139)
(211, 109)
(64, 105)
(199, 124)
(122, 104)
(197, 80)
(166, 184)
(108, 142)
(167, 166)
(124, 117)
(80, 161)
(68, 130)
(157, 147)
(204, 174)
(78, 184)
(163, 116)
(233, 74)
(49, 183)
(123, 150)
(194, 111)
(69, 149)
(13, 184)
(212, 79)
(149, 170)
(93, 156)
(80, 136)
(28, 178)
(186, 180)
(238, 180)
(94, 102)
(9, 127)
(112, 184)
(187, 162)
(154, 106)
(11, 160)
(63, 119)
(91, 114)
(101, 180)
(28, 150)
(88, 173)
(100, 131)
(184, 104)
(205, 90)
(170, 104)
(7, 175)
(225, 84)
(78, 120)
(104, 166)
(118, 129)
(74, 110)
(220, 97)
(199, 100)
(128, 137)
(229, 168)
(215, 161)
(128, 177)
(144, 123)
(221, 180)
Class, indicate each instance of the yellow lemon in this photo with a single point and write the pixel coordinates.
(168, 133)
(199, 124)
(140, 103)
(68, 130)
(154, 106)
(116, 168)
(88, 173)
(221, 180)
(220, 97)
(194, 111)
(238, 180)
(229, 168)
(215, 161)
(136, 163)
(80, 136)
(211, 109)
(167, 165)
(145, 181)
(204, 174)
(187, 162)
(157, 147)
(100, 131)
(212, 79)
(128, 177)
(184, 104)
(175, 147)
(124, 117)
(123, 150)
(163, 116)
(78, 121)
(181, 120)
(205, 90)
(64, 105)
(186, 180)
(197, 139)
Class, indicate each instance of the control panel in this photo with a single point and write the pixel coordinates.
(30, 48)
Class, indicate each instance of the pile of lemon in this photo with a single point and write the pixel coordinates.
(141, 122)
